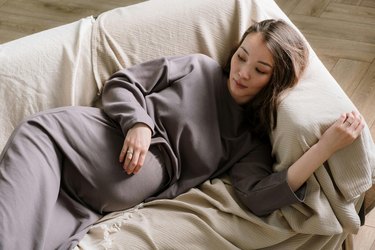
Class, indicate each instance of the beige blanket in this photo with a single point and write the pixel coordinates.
(204, 218)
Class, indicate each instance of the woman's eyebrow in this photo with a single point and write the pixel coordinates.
(262, 62)
(266, 64)
(244, 50)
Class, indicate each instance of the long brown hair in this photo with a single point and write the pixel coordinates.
(290, 55)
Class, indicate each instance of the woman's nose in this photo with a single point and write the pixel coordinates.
(244, 74)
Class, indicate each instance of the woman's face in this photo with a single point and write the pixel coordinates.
(251, 68)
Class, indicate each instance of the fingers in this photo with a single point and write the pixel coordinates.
(139, 163)
(132, 159)
(136, 144)
(342, 119)
(122, 153)
(133, 162)
(353, 123)
(128, 159)
(353, 119)
(349, 120)
(343, 132)
(358, 124)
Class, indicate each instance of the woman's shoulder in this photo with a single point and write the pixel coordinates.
(204, 59)
(197, 59)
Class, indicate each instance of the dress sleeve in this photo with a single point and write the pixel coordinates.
(123, 96)
(260, 189)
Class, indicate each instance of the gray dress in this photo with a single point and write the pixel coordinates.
(59, 171)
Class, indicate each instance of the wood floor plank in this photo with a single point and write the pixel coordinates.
(45, 14)
(370, 219)
(7, 36)
(372, 130)
(336, 47)
(349, 82)
(287, 5)
(351, 2)
(328, 61)
(364, 240)
(36, 16)
(13, 27)
(339, 29)
(364, 95)
(344, 12)
(61, 12)
(370, 198)
(311, 7)
(368, 3)
(98, 5)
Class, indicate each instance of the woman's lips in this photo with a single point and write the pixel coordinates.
(239, 85)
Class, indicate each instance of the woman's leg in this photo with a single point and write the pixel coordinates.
(59, 172)
(31, 202)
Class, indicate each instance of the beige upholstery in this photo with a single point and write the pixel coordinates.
(69, 65)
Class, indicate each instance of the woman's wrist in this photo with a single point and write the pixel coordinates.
(141, 125)
(324, 150)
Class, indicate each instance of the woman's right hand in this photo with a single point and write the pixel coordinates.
(135, 148)
(343, 132)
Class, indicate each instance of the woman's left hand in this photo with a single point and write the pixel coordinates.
(343, 132)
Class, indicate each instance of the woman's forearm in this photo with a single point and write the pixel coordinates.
(305, 166)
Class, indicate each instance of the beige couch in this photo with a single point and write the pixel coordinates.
(68, 65)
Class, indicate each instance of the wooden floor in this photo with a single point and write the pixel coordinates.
(342, 32)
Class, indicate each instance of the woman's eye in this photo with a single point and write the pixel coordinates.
(241, 58)
(259, 71)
